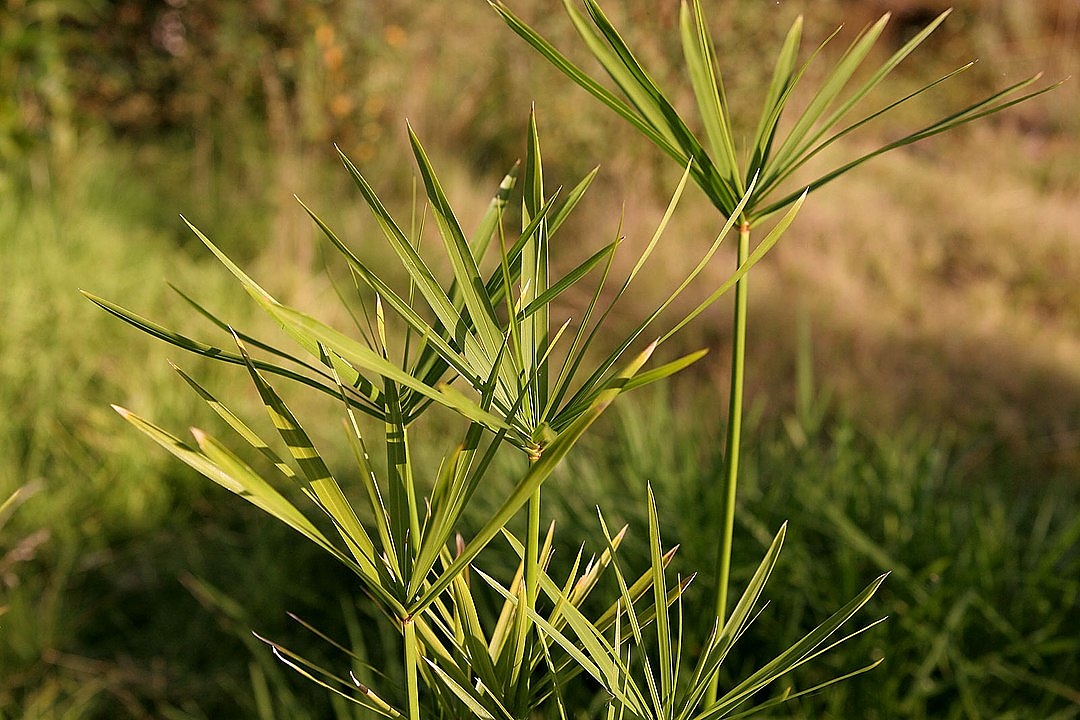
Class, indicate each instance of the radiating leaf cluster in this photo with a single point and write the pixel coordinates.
(485, 346)
(749, 181)
(721, 165)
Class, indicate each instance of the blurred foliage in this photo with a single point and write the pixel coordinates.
(302, 66)
(315, 72)
(36, 101)
(231, 86)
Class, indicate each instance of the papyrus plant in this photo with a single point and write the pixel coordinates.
(485, 346)
(747, 181)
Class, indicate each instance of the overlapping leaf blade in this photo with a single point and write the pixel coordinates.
(538, 472)
(790, 658)
(481, 315)
(708, 87)
(988, 106)
(717, 172)
(355, 352)
(369, 405)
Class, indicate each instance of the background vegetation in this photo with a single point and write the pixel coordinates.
(914, 353)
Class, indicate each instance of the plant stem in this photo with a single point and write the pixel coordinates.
(531, 582)
(532, 550)
(412, 687)
(403, 503)
(731, 454)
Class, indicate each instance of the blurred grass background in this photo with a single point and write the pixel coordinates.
(914, 351)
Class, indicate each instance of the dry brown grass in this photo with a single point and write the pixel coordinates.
(945, 289)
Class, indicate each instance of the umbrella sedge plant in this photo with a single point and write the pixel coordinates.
(749, 182)
(483, 345)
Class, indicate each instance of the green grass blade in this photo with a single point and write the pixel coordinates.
(758, 253)
(379, 510)
(400, 305)
(10, 502)
(580, 347)
(247, 484)
(580, 77)
(719, 647)
(548, 296)
(636, 590)
(969, 114)
(489, 223)
(681, 624)
(577, 589)
(371, 701)
(581, 587)
(608, 47)
(663, 620)
(775, 99)
(559, 214)
(533, 334)
(538, 472)
(664, 371)
(362, 356)
(238, 425)
(412, 660)
(764, 162)
(390, 571)
(789, 696)
(220, 465)
(249, 340)
(574, 356)
(557, 681)
(466, 273)
(266, 300)
(592, 652)
(879, 75)
(705, 78)
(636, 623)
(509, 271)
(823, 99)
(792, 657)
(364, 403)
(274, 308)
(573, 406)
(419, 273)
(299, 444)
(782, 174)
(403, 501)
(669, 212)
(500, 634)
(551, 347)
(446, 510)
(618, 60)
(475, 644)
(326, 488)
(274, 504)
(477, 702)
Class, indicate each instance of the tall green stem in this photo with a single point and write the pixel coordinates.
(412, 686)
(731, 453)
(532, 550)
(528, 600)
